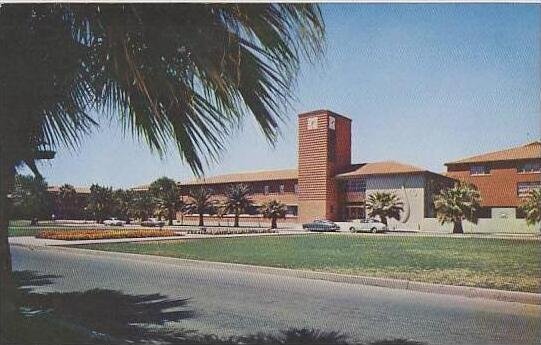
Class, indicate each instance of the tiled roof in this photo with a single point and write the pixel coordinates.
(78, 190)
(529, 151)
(141, 188)
(382, 168)
(269, 175)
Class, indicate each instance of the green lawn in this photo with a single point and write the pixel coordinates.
(492, 263)
(14, 231)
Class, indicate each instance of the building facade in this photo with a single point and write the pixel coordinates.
(326, 185)
(504, 179)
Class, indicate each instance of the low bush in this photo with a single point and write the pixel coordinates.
(230, 231)
(98, 234)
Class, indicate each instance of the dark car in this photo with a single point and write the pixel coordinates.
(321, 225)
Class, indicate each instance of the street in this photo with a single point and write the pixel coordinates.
(233, 302)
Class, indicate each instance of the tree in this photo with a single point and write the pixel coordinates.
(274, 210)
(67, 202)
(124, 204)
(456, 204)
(532, 207)
(30, 198)
(384, 205)
(144, 205)
(166, 192)
(237, 200)
(180, 74)
(201, 202)
(100, 202)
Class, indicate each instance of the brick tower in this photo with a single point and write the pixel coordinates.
(324, 151)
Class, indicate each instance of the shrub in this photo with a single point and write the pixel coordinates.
(230, 231)
(96, 234)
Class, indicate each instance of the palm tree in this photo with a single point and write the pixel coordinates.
(237, 200)
(456, 204)
(384, 205)
(180, 74)
(532, 207)
(143, 206)
(67, 201)
(100, 202)
(166, 192)
(124, 204)
(274, 210)
(201, 202)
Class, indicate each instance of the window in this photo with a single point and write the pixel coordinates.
(530, 167)
(484, 212)
(282, 188)
(356, 186)
(479, 170)
(266, 190)
(525, 188)
(296, 187)
(292, 210)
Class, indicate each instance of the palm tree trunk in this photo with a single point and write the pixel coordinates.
(201, 223)
(7, 286)
(236, 225)
(170, 217)
(457, 227)
(273, 223)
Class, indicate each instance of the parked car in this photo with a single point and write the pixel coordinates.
(321, 225)
(153, 222)
(114, 222)
(367, 225)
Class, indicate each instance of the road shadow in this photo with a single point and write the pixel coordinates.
(102, 316)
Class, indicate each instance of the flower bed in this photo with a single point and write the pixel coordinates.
(230, 231)
(98, 234)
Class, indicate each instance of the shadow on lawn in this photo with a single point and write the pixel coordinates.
(110, 317)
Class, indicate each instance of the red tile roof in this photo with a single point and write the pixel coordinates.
(269, 175)
(78, 190)
(529, 151)
(141, 188)
(382, 168)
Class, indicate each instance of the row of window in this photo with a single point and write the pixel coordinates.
(355, 186)
(525, 188)
(281, 189)
(531, 167)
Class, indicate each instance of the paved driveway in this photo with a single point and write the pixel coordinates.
(232, 302)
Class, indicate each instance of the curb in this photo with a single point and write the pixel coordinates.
(464, 291)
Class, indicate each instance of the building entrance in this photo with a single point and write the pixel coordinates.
(355, 212)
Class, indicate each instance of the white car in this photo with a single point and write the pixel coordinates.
(114, 222)
(153, 222)
(367, 225)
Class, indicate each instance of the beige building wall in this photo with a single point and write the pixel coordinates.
(410, 189)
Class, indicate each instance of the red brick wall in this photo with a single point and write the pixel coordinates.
(318, 191)
(499, 188)
(288, 197)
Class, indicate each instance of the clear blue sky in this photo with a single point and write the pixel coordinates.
(424, 84)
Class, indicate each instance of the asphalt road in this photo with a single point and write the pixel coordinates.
(231, 302)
